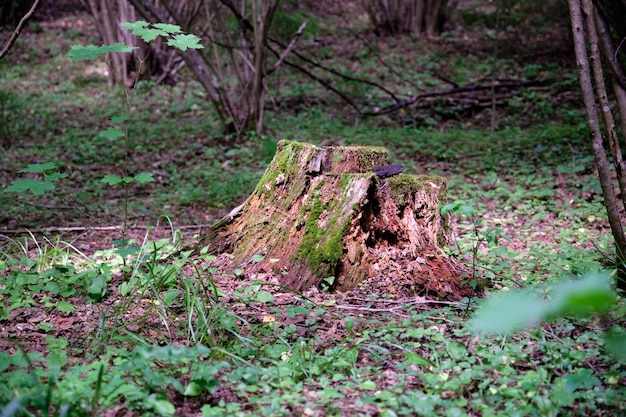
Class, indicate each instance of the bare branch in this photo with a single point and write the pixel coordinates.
(246, 25)
(18, 29)
(324, 83)
(608, 49)
(288, 49)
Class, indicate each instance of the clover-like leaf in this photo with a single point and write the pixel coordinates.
(64, 306)
(416, 359)
(185, 41)
(264, 297)
(119, 118)
(97, 287)
(162, 406)
(460, 207)
(368, 385)
(193, 389)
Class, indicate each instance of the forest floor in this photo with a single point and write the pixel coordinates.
(146, 334)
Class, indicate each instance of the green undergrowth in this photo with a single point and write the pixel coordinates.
(161, 334)
(129, 330)
(164, 339)
(193, 170)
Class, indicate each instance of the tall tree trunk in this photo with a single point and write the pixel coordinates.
(409, 16)
(109, 14)
(262, 15)
(232, 69)
(147, 61)
(584, 30)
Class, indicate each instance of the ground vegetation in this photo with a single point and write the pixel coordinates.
(103, 312)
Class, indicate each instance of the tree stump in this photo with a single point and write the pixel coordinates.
(341, 212)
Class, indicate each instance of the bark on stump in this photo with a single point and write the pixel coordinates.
(322, 212)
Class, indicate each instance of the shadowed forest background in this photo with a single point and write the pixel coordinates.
(113, 165)
(518, 58)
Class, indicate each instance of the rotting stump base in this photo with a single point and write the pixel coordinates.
(322, 212)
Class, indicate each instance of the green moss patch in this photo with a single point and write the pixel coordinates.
(403, 185)
(321, 246)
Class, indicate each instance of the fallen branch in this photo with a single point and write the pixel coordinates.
(96, 229)
(452, 91)
(406, 301)
(403, 303)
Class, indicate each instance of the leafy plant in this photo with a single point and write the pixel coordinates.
(160, 330)
(50, 280)
(513, 310)
(48, 172)
(489, 235)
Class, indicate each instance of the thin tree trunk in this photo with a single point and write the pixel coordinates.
(600, 84)
(433, 17)
(608, 49)
(262, 13)
(602, 162)
(409, 16)
(620, 96)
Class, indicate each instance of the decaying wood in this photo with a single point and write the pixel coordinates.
(322, 212)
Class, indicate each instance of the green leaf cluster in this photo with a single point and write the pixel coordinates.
(146, 31)
(48, 172)
(150, 31)
(113, 179)
(91, 52)
(24, 285)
